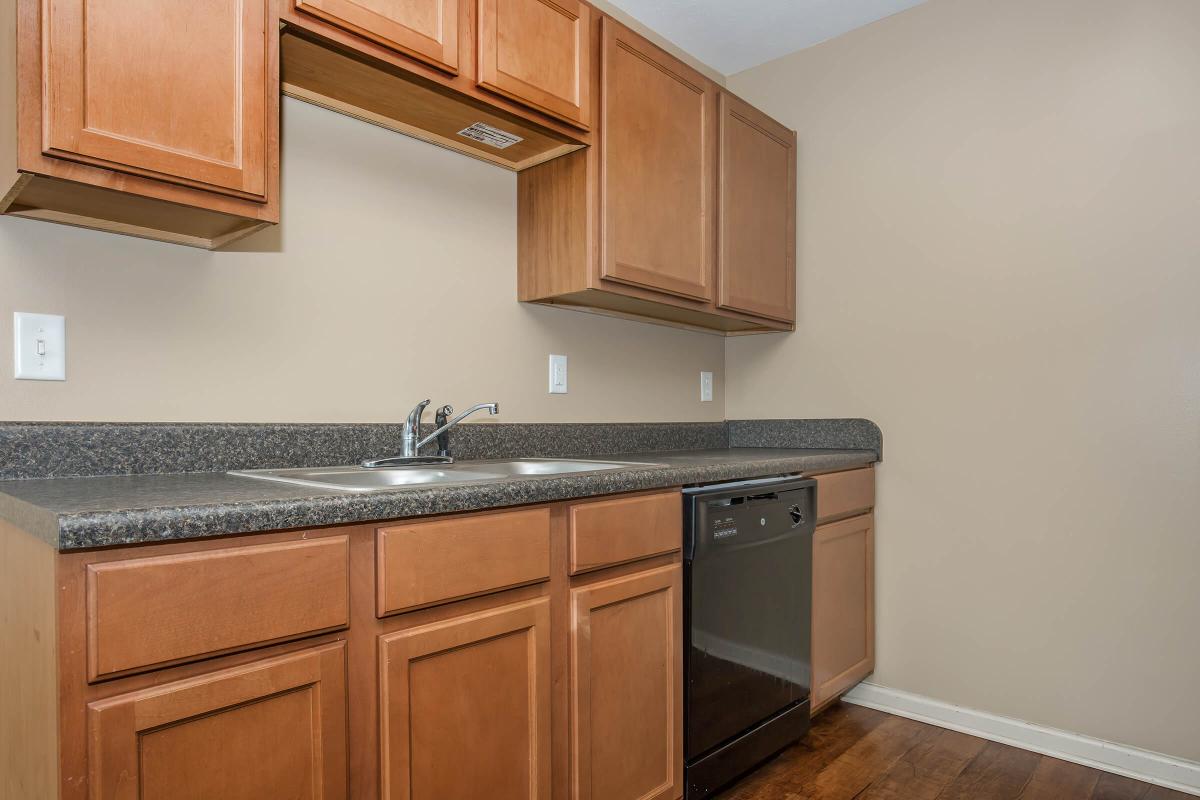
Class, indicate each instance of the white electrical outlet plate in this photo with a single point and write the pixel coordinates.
(558, 374)
(39, 347)
(705, 387)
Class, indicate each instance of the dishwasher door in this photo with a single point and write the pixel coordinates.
(748, 606)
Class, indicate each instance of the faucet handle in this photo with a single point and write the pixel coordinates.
(439, 422)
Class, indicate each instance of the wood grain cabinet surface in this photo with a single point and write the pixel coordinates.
(152, 119)
(624, 529)
(465, 706)
(271, 728)
(141, 612)
(843, 628)
(423, 29)
(756, 267)
(627, 691)
(424, 563)
(176, 91)
(657, 166)
(539, 53)
(629, 228)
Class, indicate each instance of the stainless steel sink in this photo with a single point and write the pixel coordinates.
(552, 466)
(359, 479)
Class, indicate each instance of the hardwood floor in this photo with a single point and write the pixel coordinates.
(855, 753)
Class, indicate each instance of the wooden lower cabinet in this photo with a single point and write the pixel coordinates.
(843, 638)
(465, 706)
(627, 692)
(559, 678)
(270, 728)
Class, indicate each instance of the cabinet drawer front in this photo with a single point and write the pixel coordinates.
(432, 562)
(271, 728)
(841, 494)
(616, 531)
(538, 52)
(150, 612)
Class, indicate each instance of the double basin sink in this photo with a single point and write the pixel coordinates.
(360, 479)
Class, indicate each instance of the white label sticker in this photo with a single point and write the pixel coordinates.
(493, 137)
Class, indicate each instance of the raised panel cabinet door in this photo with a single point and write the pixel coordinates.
(465, 707)
(657, 162)
(843, 627)
(179, 91)
(538, 52)
(626, 686)
(756, 261)
(271, 728)
(426, 30)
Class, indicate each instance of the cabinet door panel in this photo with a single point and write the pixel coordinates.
(757, 258)
(177, 91)
(627, 705)
(657, 164)
(465, 707)
(538, 52)
(424, 29)
(843, 643)
(272, 728)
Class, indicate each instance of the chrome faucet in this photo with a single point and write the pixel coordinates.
(411, 441)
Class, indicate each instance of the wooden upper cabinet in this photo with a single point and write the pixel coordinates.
(271, 728)
(538, 52)
(756, 264)
(657, 165)
(423, 29)
(175, 91)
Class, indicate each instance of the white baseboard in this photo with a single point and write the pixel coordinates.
(1144, 765)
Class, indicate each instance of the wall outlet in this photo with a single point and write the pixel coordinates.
(39, 347)
(705, 387)
(558, 374)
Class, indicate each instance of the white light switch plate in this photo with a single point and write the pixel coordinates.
(39, 347)
(558, 374)
(705, 387)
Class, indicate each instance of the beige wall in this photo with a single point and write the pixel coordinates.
(1000, 264)
(392, 278)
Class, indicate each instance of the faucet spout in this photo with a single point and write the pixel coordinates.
(492, 408)
(413, 442)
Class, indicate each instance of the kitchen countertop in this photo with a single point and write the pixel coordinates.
(80, 513)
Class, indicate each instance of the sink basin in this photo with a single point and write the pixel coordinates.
(358, 479)
(552, 466)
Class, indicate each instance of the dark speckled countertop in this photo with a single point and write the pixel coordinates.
(79, 513)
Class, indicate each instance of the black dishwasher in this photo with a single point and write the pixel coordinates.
(747, 622)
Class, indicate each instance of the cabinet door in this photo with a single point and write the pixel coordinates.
(465, 707)
(657, 163)
(272, 728)
(538, 52)
(423, 29)
(756, 264)
(843, 628)
(627, 693)
(177, 91)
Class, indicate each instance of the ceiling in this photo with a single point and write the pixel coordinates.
(733, 36)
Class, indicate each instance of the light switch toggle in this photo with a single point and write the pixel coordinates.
(39, 347)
